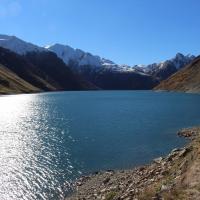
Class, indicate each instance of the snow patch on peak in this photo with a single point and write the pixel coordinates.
(66, 53)
(107, 62)
(17, 45)
(81, 58)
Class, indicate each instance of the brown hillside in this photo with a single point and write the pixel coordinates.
(11, 83)
(187, 79)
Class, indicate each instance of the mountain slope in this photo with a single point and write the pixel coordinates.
(97, 71)
(77, 56)
(109, 80)
(24, 69)
(47, 72)
(17, 45)
(78, 59)
(108, 75)
(11, 83)
(187, 79)
(165, 69)
(56, 72)
(91, 71)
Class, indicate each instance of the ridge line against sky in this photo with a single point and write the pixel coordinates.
(126, 32)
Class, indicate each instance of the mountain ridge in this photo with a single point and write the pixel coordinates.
(40, 76)
(82, 58)
(93, 71)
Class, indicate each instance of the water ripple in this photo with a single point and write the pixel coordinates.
(30, 149)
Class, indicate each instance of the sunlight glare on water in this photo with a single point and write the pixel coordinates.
(23, 133)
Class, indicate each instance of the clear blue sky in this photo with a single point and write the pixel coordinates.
(125, 31)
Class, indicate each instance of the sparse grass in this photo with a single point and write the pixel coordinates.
(111, 195)
(178, 191)
(13, 84)
(176, 194)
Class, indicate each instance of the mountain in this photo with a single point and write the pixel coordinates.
(92, 71)
(11, 83)
(108, 75)
(116, 80)
(40, 70)
(55, 71)
(97, 71)
(24, 69)
(17, 45)
(187, 79)
(78, 59)
(165, 69)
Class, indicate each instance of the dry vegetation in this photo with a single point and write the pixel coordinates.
(183, 179)
(10, 83)
(187, 79)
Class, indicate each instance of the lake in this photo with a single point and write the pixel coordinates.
(47, 140)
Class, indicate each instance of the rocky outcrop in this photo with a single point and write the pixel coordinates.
(175, 176)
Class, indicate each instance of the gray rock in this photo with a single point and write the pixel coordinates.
(158, 160)
(164, 188)
(106, 180)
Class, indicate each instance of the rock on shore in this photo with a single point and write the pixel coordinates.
(176, 176)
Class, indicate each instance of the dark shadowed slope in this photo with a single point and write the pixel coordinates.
(55, 71)
(109, 80)
(11, 83)
(42, 70)
(187, 79)
(24, 69)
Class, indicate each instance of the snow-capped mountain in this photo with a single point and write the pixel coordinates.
(187, 79)
(178, 62)
(164, 69)
(17, 45)
(81, 58)
(81, 61)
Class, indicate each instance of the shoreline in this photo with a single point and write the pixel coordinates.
(175, 176)
(58, 91)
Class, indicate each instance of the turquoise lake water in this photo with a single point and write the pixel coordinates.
(47, 140)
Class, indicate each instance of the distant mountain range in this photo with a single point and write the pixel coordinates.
(79, 59)
(60, 67)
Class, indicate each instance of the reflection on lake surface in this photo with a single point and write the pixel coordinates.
(47, 140)
(31, 148)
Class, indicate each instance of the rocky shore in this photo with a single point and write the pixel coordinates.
(176, 176)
